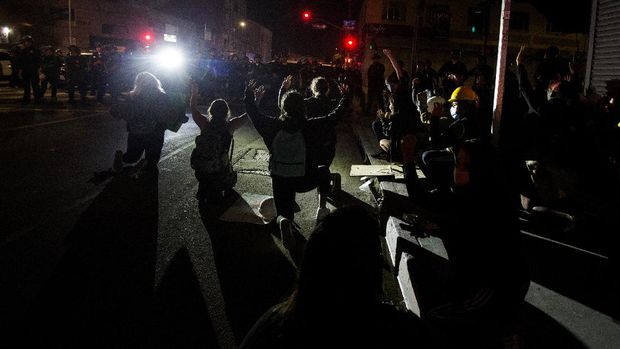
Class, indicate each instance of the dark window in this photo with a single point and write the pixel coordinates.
(520, 21)
(107, 28)
(440, 21)
(553, 28)
(395, 11)
(475, 20)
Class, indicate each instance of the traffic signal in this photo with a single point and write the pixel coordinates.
(350, 43)
(306, 16)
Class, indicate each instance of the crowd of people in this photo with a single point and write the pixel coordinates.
(425, 119)
(107, 69)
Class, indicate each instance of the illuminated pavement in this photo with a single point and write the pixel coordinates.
(132, 261)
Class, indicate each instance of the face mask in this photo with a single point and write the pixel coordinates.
(455, 113)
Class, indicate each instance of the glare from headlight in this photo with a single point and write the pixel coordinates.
(170, 59)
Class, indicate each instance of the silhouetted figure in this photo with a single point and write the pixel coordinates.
(294, 164)
(29, 60)
(338, 300)
(211, 157)
(148, 113)
(481, 234)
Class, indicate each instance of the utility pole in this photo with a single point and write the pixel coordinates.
(502, 50)
(70, 30)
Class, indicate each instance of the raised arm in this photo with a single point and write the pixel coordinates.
(525, 87)
(397, 68)
(286, 85)
(198, 117)
(265, 125)
(339, 111)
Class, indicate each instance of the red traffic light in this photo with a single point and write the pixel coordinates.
(148, 37)
(306, 15)
(350, 42)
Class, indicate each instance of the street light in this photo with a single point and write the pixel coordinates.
(242, 24)
(6, 31)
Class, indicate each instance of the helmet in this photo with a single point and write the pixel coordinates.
(463, 93)
(27, 38)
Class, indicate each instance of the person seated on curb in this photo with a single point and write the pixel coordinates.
(398, 127)
(438, 163)
(480, 231)
(337, 302)
(294, 166)
(211, 159)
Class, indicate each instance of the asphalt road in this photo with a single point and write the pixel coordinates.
(113, 262)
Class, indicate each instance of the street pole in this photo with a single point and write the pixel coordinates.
(70, 33)
(500, 73)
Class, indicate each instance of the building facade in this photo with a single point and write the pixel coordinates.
(421, 30)
(196, 25)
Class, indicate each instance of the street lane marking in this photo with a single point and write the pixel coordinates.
(51, 122)
(565, 245)
(50, 109)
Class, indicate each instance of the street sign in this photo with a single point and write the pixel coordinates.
(349, 24)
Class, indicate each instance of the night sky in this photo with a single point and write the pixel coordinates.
(283, 17)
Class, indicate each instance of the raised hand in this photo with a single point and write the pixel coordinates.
(287, 82)
(259, 93)
(518, 60)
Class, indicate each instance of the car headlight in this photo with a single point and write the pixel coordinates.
(170, 59)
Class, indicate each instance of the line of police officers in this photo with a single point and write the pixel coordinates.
(39, 69)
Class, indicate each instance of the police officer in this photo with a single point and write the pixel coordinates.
(50, 72)
(29, 61)
(97, 71)
(113, 71)
(76, 73)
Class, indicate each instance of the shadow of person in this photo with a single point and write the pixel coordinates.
(101, 290)
(180, 315)
(254, 274)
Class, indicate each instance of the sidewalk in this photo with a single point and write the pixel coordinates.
(570, 299)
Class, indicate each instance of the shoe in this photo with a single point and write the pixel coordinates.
(286, 232)
(321, 212)
(335, 183)
(138, 169)
(117, 165)
(296, 207)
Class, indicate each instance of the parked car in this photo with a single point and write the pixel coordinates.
(5, 65)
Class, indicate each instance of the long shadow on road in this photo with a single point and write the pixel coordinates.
(101, 291)
(254, 273)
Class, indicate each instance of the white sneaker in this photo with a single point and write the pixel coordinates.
(321, 212)
(286, 232)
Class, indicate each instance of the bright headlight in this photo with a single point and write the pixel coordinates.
(170, 59)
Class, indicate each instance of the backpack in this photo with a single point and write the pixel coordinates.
(212, 157)
(288, 155)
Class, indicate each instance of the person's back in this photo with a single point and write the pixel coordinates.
(481, 235)
(332, 309)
